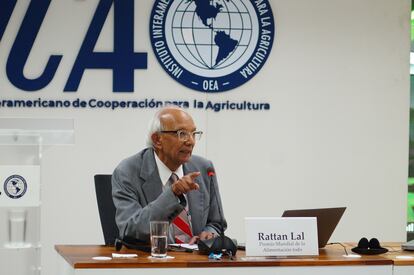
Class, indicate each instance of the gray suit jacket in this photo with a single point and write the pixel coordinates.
(139, 198)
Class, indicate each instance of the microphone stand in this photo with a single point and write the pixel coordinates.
(222, 243)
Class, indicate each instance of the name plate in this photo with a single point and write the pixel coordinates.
(281, 236)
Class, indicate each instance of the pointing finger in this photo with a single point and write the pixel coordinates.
(193, 175)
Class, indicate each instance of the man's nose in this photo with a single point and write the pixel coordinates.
(190, 140)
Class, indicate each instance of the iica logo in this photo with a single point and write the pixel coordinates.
(15, 186)
(212, 45)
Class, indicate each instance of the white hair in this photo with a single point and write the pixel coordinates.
(155, 124)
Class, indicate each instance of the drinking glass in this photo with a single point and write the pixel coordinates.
(159, 235)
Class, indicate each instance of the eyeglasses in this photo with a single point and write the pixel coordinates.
(184, 135)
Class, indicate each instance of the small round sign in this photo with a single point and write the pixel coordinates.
(15, 186)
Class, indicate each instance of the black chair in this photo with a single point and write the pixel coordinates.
(103, 188)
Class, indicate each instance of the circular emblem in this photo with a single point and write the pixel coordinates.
(212, 45)
(15, 186)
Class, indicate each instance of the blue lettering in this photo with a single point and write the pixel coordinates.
(6, 10)
(123, 61)
(22, 46)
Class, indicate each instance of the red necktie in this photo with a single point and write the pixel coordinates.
(181, 224)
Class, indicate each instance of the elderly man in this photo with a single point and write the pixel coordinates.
(164, 182)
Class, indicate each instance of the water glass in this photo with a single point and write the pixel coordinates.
(159, 235)
(17, 227)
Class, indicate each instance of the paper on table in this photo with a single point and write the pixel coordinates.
(117, 255)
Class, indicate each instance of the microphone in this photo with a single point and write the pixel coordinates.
(221, 243)
(210, 173)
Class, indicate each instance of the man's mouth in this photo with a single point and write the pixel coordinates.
(186, 151)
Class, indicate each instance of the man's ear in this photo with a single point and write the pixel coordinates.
(156, 140)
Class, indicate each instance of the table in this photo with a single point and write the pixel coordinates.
(403, 261)
(77, 260)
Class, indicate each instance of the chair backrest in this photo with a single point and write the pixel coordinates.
(103, 188)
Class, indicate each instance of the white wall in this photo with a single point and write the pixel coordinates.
(337, 80)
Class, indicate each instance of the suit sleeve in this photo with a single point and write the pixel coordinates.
(133, 213)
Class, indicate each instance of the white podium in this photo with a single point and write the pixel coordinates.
(22, 141)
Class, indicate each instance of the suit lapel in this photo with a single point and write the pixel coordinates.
(152, 186)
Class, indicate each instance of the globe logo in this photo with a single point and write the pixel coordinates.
(15, 186)
(212, 45)
(211, 40)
